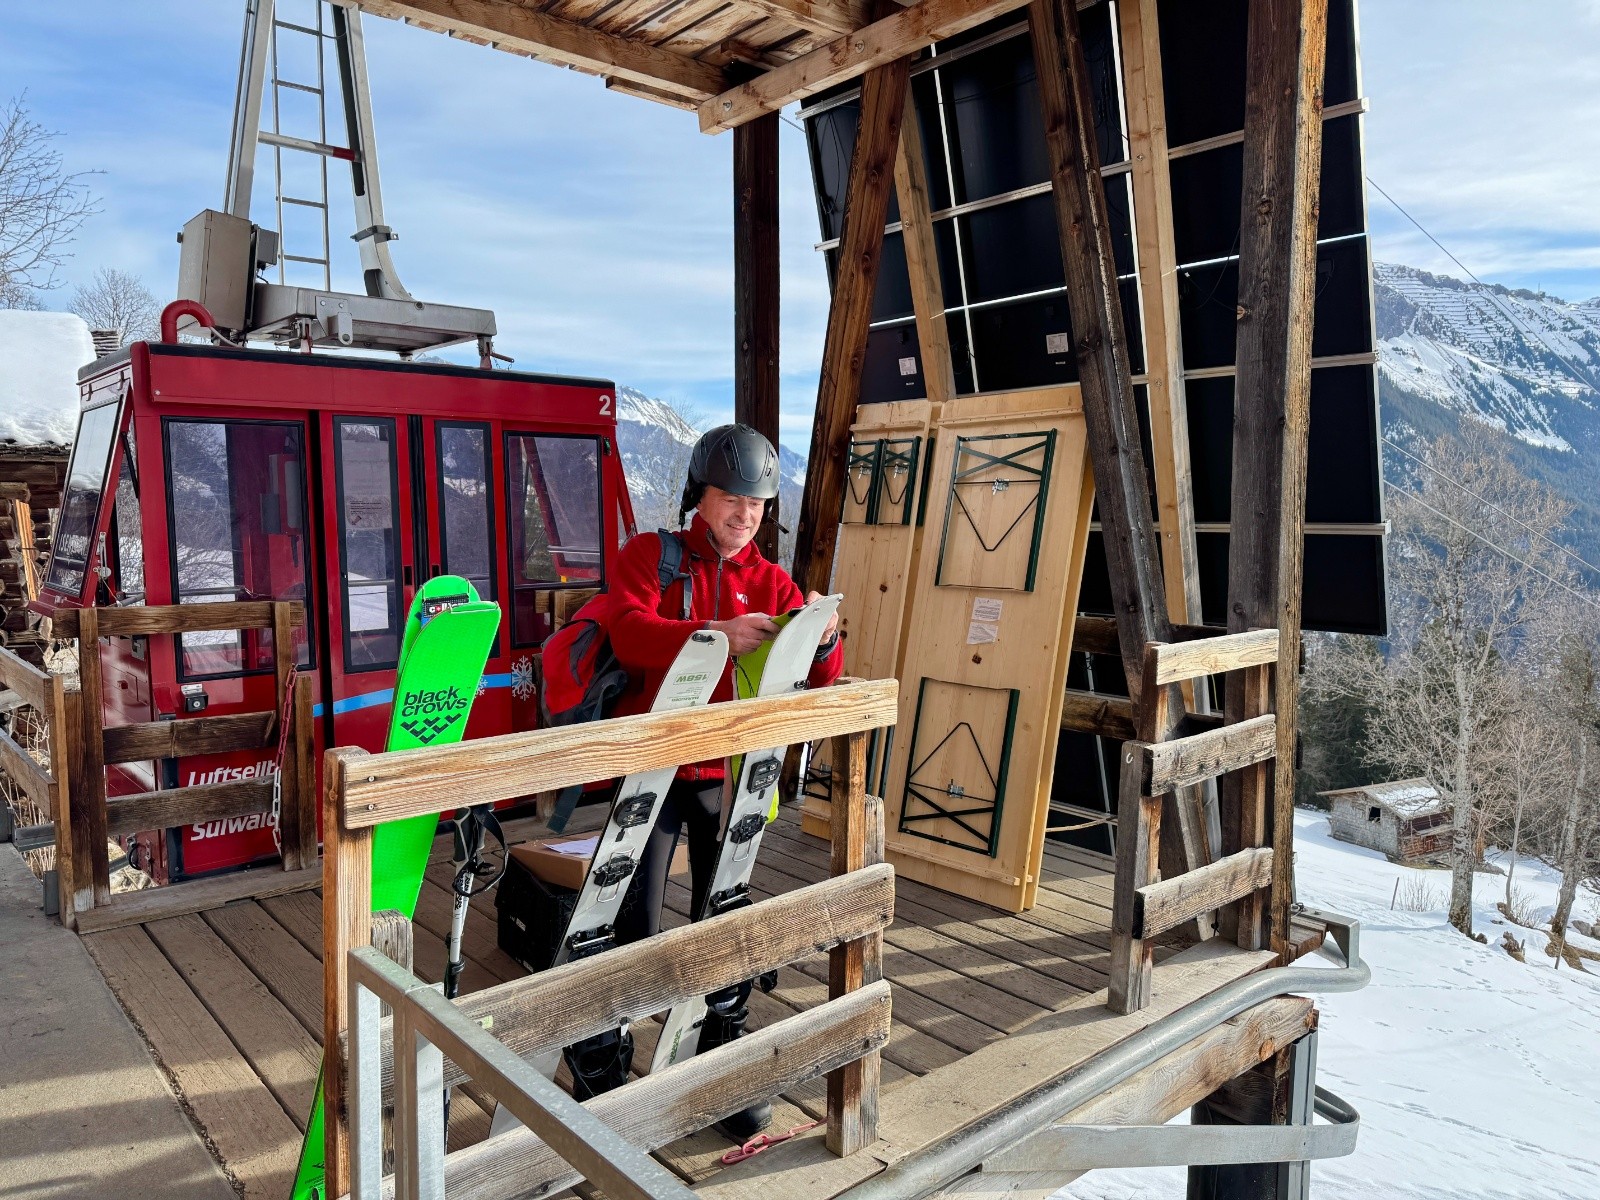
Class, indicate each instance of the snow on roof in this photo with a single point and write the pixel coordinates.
(40, 353)
(1407, 797)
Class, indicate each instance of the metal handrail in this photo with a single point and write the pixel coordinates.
(427, 1027)
(941, 1162)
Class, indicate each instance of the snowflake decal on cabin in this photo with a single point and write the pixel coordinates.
(483, 684)
(522, 677)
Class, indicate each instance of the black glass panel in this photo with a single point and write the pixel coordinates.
(1210, 408)
(892, 369)
(1023, 344)
(892, 298)
(991, 106)
(1342, 482)
(1008, 249)
(1345, 588)
(1202, 67)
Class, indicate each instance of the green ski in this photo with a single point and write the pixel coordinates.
(448, 634)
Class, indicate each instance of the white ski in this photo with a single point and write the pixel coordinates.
(689, 682)
(788, 662)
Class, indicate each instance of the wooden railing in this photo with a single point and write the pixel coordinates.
(55, 707)
(94, 817)
(844, 915)
(1238, 883)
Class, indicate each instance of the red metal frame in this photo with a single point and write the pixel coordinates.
(163, 383)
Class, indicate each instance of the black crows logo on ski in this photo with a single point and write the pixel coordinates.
(425, 715)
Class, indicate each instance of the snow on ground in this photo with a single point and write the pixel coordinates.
(40, 353)
(1475, 1075)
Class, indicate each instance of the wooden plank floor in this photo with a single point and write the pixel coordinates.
(230, 999)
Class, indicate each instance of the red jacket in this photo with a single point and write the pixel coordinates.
(645, 626)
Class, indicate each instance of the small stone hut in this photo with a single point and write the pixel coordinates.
(1406, 819)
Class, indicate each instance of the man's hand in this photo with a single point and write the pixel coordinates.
(747, 632)
(833, 621)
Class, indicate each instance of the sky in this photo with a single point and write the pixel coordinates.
(598, 226)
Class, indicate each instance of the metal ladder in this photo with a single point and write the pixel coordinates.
(259, 77)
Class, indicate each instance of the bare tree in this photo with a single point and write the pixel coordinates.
(41, 206)
(117, 300)
(1578, 683)
(1474, 564)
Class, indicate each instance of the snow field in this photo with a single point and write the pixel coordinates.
(1475, 1075)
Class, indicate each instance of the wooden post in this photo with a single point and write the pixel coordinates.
(1138, 846)
(883, 100)
(1099, 341)
(1272, 406)
(297, 807)
(1244, 817)
(1158, 292)
(1100, 344)
(64, 737)
(852, 1089)
(922, 258)
(346, 924)
(755, 290)
(89, 771)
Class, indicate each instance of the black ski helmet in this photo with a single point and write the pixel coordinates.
(735, 458)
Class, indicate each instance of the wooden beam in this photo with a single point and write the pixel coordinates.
(895, 37)
(1103, 716)
(26, 773)
(529, 31)
(1186, 761)
(1099, 342)
(173, 807)
(1179, 662)
(853, 1088)
(1165, 905)
(1272, 408)
(191, 735)
(755, 291)
(27, 681)
(658, 1109)
(196, 895)
(883, 103)
(409, 783)
(1158, 294)
(146, 620)
(819, 16)
(89, 769)
(346, 924)
(579, 999)
(922, 258)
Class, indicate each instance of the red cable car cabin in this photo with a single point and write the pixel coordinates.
(205, 474)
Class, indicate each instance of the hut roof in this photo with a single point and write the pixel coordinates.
(1406, 797)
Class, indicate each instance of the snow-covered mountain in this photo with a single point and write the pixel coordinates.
(1524, 362)
(655, 438)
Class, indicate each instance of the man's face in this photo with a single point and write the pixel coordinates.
(732, 520)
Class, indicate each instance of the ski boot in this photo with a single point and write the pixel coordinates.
(726, 1017)
(600, 1064)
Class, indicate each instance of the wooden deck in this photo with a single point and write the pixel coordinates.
(230, 999)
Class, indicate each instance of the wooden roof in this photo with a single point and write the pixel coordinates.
(731, 60)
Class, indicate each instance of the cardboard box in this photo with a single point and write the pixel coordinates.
(564, 861)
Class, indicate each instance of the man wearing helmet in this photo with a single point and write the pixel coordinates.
(733, 479)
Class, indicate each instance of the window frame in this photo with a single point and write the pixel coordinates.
(348, 666)
(307, 572)
(87, 582)
(512, 549)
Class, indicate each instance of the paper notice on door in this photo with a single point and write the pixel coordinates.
(985, 624)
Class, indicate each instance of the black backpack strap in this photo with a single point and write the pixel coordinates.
(670, 568)
(566, 804)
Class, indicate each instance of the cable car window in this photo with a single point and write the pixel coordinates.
(236, 508)
(80, 500)
(369, 522)
(554, 505)
(130, 529)
(466, 511)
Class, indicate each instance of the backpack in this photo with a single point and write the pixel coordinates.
(580, 677)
